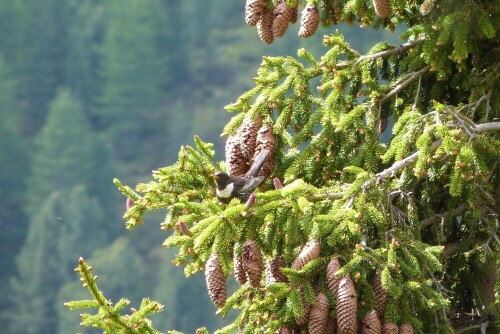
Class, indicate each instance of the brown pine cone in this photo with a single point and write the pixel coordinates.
(406, 328)
(331, 326)
(318, 315)
(380, 295)
(239, 272)
(253, 11)
(332, 279)
(371, 323)
(347, 307)
(240, 147)
(382, 8)
(306, 306)
(389, 328)
(265, 141)
(282, 16)
(252, 262)
(309, 252)
(273, 272)
(294, 14)
(309, 21)
(265, 26)
(216, 281)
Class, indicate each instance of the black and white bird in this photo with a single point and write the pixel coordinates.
(229, 187)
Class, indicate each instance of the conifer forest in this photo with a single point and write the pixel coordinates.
(250, 166)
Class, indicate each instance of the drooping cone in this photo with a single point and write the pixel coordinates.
(309, 252)
(265, 26)
(252, 262)
(332, 279)
(309, 21)
(265, 141)
(318, 315)
(241, 146)
(273, 272)
(380, 295)
(306, 306)
(294, 14)
(382, 8)
(406, 328)
(389, 328)
(239, 272)
(253, 11)
(331, 326)
(216, 281)
(282, 16)
(371, 323)
(347, 307)
(284, 330)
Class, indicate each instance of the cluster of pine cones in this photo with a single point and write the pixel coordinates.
(250, 139)
(249, 266)
(273, 21)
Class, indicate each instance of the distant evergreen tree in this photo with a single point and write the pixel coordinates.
(133, 74)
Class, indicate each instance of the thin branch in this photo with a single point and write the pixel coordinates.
(482, 326)
(437, 217)
(398, 49)
(402, 85)
(492, 126)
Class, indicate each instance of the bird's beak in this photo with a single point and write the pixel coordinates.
(214, 176)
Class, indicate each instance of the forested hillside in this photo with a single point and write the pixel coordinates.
(92, 90)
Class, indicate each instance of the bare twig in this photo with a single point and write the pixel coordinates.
(437, 217)
(482, 326)
(398, 49)
(402, 85)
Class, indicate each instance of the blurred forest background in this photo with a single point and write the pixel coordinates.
(92, 90)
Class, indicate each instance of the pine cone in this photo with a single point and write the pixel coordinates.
(306, 306)
(427, 6)
(380, 295)
(347, 307)
(331, 277)
(241, 146)
(265, 26)
(331, 326)
(309, 21)
(318, 316)
(371, 323)
(406, 328)
(284, 330)
(389, 328)
(253, 11)
(273, 272)
(265, 141)
(309, 252)
(294, 14)
(252, 262)
(216, 281)
(282, 16)
(239, 272)
(382, 8)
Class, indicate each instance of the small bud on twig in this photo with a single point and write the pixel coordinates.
(277, 183)
(184, 229)
(250, 202)
(129, 203)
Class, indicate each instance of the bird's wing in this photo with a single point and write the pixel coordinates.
(250, 184)
(257, 163)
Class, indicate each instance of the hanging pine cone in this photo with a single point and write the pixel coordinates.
(331, 326)
(265, 26)
(371, 323)
(240, 147)
(406, 328)
(239, 272)
(389, 328)
(318, 315)
(427, 6)
(252, 262)
(382, 8)
(265, 141)
(294, 14)
(282, 16)
(216, 281)
(331, 277)
(253, 11)
(273, 272)
(306, 306)
(347, 307)
(309, 21)
(380, 295)
(309, 252)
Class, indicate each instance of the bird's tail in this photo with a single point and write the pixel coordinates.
(258, 161)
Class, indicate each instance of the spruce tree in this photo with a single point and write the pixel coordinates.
(348, 232)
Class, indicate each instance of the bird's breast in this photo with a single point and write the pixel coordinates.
(226, 192)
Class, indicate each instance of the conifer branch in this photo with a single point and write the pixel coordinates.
(404, 84)
(398, 49)
(437, 217)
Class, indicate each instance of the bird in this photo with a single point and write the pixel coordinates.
(229, 187)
